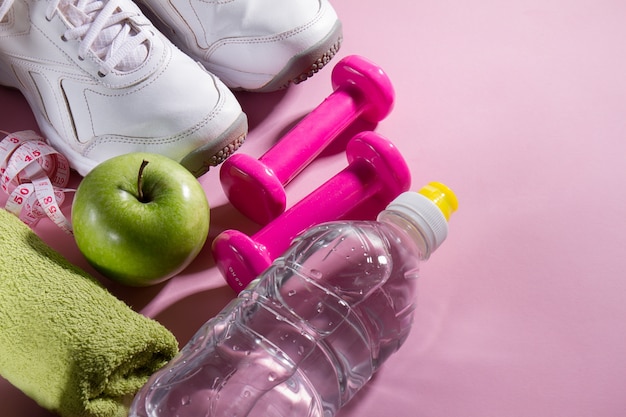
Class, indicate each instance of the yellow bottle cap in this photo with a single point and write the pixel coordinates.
(428, 210)
(442, 196)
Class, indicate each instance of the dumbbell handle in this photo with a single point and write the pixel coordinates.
(301, 145)
(351, 187)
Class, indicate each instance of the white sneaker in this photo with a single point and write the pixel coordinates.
(254, 45)
(102, 81)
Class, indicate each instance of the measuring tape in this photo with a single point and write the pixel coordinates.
(35, 176)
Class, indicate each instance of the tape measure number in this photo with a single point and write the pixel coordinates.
(35, 176)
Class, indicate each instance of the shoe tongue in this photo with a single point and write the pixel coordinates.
(111, 37)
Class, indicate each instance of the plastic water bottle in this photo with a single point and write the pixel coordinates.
(306, 335)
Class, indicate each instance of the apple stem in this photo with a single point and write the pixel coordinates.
(140, 181)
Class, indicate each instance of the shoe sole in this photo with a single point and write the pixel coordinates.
(200, 160)
(306, 64)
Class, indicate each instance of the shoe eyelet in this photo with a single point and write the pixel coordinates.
(101, 75)
(63, 38)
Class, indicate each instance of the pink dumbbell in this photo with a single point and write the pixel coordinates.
(256, 186)
(376, 174)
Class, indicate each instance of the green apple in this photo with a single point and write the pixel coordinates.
(140, 218)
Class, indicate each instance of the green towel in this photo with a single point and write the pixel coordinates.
(65, 341)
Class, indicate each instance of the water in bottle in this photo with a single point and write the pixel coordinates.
(308, 333)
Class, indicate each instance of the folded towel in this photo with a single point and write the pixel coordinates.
(65, 341)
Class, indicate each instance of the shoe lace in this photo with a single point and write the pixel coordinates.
(117, 36)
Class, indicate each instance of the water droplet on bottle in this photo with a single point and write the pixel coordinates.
(316, 274)
(320, 307)
(246, 394)
(291, 384)
(292, 293)
(186, 400)
(300, 350)
(271, 377)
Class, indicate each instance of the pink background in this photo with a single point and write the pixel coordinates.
(519, 106)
